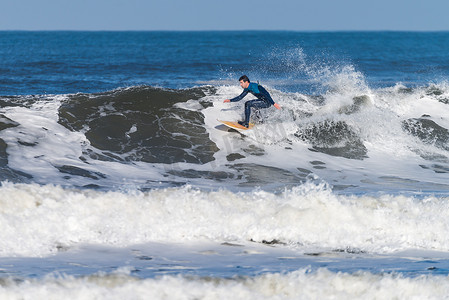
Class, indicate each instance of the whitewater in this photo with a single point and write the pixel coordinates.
(137, 191)
(284, 190)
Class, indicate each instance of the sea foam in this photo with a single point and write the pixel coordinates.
(301, 284)
(38, 220)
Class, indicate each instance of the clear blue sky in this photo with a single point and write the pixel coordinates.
(296, 15)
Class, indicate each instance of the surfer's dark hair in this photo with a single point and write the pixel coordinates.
(244, 78)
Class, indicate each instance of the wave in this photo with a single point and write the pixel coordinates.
(140, 124)
(157, 137)
(50, 218)
(301, 284)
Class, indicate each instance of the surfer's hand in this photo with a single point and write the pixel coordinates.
(226, 101)
(277, 106)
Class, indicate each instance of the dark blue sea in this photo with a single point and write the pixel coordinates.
(118, 181)
(92, 62)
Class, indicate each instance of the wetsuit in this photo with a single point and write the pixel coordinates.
(263, 100)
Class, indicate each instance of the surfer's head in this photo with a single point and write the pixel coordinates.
(244, 81)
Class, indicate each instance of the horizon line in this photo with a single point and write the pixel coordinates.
(224, 30)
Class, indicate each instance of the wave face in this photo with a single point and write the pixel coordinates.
(141, 124)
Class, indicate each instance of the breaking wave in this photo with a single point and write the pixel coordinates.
(301, 284)
(165, 137)
(48, 219)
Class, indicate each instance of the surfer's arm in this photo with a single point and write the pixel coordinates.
(239, 97)
(271, 101)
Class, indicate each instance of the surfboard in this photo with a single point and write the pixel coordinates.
(235, 125)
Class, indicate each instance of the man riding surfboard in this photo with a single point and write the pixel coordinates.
(263, 100)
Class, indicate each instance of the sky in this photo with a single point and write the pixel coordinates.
(295, 15)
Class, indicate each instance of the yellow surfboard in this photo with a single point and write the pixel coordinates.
(235, 125)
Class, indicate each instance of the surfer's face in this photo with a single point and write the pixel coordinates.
(244, 84)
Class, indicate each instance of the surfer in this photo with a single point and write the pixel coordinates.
(263, 100)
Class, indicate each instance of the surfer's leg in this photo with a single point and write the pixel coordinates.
(248, 105)
(256, 103)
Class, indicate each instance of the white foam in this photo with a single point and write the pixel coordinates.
(301, 284)
(40, 144)
(378, 121)
(37, 220)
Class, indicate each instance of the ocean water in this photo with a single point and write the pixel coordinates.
(119, 182)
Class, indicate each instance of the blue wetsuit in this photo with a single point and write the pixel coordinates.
(263, 100)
